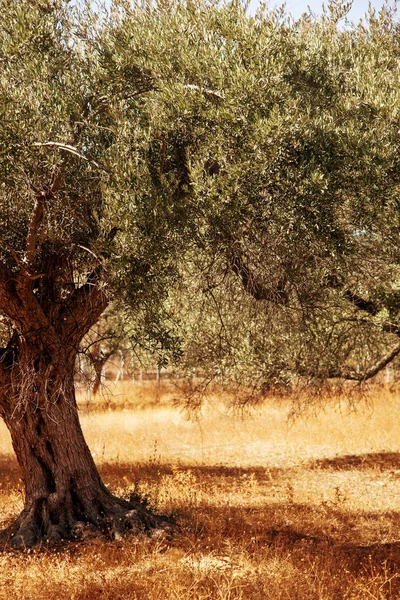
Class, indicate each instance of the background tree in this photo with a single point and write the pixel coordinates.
(169, 140)
(106, 340)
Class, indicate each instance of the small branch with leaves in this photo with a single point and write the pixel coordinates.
(72, 150)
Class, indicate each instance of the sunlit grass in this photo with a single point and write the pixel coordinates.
(268, 507)
(263, 436)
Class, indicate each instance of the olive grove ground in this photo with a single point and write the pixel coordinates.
(267, 507)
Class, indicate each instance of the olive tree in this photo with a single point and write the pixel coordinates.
(64, 126)
(167, 139)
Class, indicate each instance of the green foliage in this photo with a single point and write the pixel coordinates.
(205, 134)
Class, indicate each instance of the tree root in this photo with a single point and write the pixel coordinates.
(114, 520)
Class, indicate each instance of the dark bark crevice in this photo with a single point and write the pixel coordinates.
(47, 474)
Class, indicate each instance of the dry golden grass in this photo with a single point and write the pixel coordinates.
(267, 508)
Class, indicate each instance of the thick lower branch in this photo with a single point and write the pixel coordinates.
(365, 305)
(373, 370)
(254, 287)
(353, 375)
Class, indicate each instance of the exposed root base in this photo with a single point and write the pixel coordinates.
(120, 520)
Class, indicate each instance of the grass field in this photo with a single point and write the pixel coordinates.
(268, 507)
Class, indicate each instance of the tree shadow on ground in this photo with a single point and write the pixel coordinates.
(303, 531)
(277, 523)
(267, 530)
(118, 471)
(374, 460)
(379, 461)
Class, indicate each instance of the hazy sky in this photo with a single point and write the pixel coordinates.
(297, 7)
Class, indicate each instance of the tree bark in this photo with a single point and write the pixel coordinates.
(98, 367)
(65, 497)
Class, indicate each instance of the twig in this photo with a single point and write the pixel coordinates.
(72, 150)
(206, 91)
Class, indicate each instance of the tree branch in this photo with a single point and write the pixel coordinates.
(255, 288)
(369, 373)
(366, 305)
(72, 150)
(84, 307)
(19, 303)
(42, 197)
(212, 94)
(372, 309)
(86, 303)
(334, 282)
(36, 221)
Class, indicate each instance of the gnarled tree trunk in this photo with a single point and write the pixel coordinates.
(64, 494)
